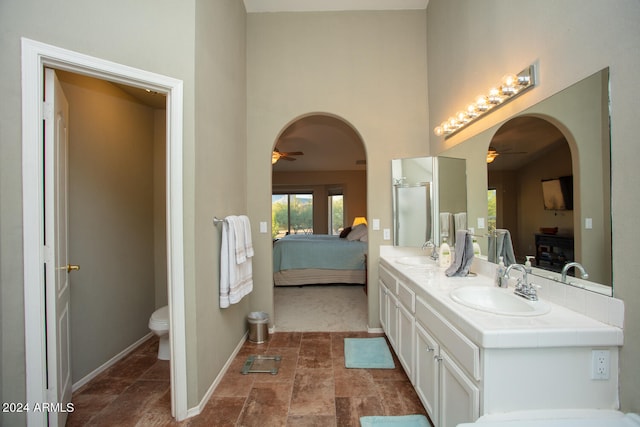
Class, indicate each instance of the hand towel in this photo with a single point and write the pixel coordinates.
(236, 280)
(460, 221)
(237, 227)
(248, 242)
(500, 245)
(463, 255)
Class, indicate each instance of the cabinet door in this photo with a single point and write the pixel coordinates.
(406, 340)
(426, 371)
(384, 306)
(392, 320)
(459, 396)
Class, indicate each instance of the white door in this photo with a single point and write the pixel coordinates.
(57, 267)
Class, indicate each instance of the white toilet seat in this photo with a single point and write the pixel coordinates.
(159, 320)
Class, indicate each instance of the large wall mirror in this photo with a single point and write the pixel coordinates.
(549, 182)
(429, 199)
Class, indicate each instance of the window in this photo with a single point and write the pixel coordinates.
(336, 211)
(291, 214)
(491, 211)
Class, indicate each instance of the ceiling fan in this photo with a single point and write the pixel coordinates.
(492, 153)
(277, 155)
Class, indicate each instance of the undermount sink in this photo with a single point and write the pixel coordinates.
(416, 260)
(498, 301)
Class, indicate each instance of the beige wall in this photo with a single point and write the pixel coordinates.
(205, 35)
(471, 44)
(220, 180)
(367, 68)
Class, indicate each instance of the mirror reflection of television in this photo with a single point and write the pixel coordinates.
(557, 193)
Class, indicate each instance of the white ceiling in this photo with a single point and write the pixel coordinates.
(255, 6)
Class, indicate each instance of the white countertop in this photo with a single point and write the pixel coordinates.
(560, 327)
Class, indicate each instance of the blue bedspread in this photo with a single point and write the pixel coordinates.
(297, 251)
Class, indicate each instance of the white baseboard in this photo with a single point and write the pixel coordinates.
(374, 330)
(198, 409)
(109, 363)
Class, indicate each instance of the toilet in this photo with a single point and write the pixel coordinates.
(159, 325)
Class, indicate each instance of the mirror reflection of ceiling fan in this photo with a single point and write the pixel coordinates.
(277, 155)
(492, 153)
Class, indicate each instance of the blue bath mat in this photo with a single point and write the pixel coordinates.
(367, 353)
(395, 421)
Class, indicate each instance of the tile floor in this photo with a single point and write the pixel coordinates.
(312, 388)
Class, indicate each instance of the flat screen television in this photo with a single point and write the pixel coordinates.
(557, 193)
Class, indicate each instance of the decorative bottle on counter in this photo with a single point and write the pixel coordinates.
(476, 248)
(500, 280)
(444, 257)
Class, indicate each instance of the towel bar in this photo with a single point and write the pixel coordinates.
(217, 220)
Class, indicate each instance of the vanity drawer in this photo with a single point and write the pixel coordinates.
(388, 279)
(466, 353)
(407, 297)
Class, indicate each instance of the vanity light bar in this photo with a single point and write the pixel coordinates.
(512, 86)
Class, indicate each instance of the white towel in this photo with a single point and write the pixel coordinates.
(248, 243)
(236, 280)
(237, 227)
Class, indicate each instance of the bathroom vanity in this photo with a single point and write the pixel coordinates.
(467, 362)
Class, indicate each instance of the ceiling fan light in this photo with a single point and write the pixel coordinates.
(275, 156)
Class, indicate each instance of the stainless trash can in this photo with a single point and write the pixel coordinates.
(258, 327)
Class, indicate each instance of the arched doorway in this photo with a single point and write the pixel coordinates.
(524, 153)
(319, 188)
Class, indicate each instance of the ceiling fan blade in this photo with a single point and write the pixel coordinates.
(292, 153)
(291, 159)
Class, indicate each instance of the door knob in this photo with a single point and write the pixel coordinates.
(71, 268)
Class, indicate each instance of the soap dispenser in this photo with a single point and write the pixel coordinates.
(444, 256)
(500, 280)
(476, 248)
(527, 264)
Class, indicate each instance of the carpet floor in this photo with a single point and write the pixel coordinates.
(326, 308)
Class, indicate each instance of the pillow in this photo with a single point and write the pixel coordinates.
(357, 232)
(344, 232)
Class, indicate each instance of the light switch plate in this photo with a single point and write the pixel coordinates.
(386, 234)
(480, 222)
(375, 224)
(263, 226)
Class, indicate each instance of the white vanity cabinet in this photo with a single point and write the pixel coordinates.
(449, 389)
(397, 308)
(464, 363)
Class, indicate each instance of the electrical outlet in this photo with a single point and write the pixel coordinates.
(600, 364)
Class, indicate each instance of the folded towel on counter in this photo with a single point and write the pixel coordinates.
(463, 255)
(500, 245)
(236, 279)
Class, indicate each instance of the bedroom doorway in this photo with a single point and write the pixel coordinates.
(319, 187)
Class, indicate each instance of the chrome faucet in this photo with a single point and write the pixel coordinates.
(567, 266)
(523, 287)
(434, 249)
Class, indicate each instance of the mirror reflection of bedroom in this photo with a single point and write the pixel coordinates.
(319, 226)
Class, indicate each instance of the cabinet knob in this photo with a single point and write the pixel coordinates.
(438, 358)
(430, 349)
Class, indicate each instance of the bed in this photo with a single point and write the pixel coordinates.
(306, 259)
